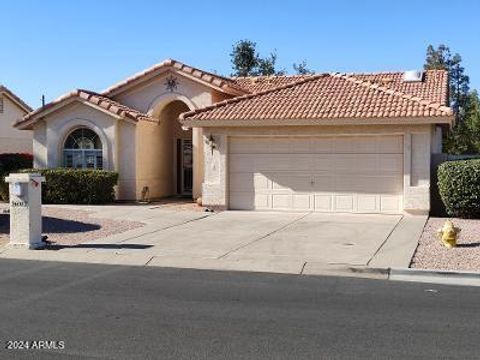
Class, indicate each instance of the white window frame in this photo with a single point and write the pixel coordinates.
(84, 154)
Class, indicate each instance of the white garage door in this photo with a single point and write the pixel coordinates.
(330, 174)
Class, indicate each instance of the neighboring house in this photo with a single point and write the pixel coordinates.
(328, 142)
(12, 108)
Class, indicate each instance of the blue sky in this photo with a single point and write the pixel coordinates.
(51, 47)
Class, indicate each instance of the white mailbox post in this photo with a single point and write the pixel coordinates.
(26, 210)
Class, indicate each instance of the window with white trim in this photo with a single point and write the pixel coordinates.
(83, 150)
(1, 104)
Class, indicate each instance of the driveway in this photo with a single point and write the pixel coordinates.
(234, 240)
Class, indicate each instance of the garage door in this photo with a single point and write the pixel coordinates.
(361, 174)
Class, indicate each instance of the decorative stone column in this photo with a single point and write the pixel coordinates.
(26, 210)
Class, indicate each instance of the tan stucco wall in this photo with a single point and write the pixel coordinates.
(156, 152)
(126, 160)
(11, 139)
(142, 153)
(118, 141)
(417, 150)
(40, 145)
(151, 97)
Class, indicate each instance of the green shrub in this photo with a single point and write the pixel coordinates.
(10, 163)
(459, 187)
(77, 186)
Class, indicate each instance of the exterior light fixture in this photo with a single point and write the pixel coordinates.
(211, 142)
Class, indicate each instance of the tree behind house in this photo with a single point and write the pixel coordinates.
(247, 62)
(302, 68)
(464, 137)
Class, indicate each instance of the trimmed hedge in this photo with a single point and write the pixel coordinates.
(10, 163)
(77, 186)
(459, 187)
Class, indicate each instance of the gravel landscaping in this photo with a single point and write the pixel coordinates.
(431, 254)
(72, 227)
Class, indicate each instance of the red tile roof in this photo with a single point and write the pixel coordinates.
(321, 96)
(432, 87)
(15, 98)
(255, 84)
(103, 102)
(336, 96)
(222, 83)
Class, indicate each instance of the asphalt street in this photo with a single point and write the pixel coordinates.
(86, 311)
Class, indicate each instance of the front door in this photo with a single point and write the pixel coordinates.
(184, 167)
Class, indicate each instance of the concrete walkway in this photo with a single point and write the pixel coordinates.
(300, 243)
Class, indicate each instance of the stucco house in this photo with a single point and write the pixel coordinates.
(12, 108)
(357, 143)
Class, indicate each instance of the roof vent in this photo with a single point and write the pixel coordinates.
(413, 76)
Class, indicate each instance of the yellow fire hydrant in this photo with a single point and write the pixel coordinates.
(448, 234)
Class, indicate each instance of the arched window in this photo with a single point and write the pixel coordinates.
(83, 150)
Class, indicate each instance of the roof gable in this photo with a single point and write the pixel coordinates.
(90, 98)
(217, 82)
(15, 99)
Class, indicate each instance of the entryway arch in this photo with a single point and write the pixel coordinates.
(179, 156)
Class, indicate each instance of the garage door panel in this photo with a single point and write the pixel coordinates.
(323, 145)
(323, 202)
(330, 174)
(344, 162)
(344, 145)
(242, 201)
(366, 163)
(262, 201)
(262, 182)
(248, 146)
(377, 184)
(368, 203)
(322, 162)
(346, 184)
(390, 204)
(365, 184)
(389, 144)
(344, 202)
(281, 201)
(354, 145)
(388, 185)
(391, 163)
(302, 202)
(242, 182)
(292, 182)
(323, 183)
(299, 162)
(271, 162)
(241, 163)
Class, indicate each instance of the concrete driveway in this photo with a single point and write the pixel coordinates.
(242, 240)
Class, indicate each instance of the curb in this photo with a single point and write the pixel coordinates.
(446, 277)
(347, 271)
